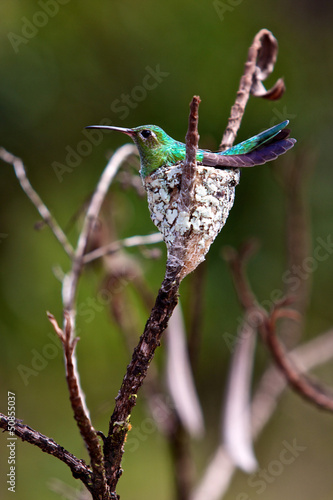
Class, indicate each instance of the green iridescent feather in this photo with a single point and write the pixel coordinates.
(157, 148)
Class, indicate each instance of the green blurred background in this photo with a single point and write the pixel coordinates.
(71, 72)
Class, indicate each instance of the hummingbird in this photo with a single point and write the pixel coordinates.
(156, 148)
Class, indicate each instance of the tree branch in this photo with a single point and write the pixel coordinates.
(310, 390)
(87, 431)
(77, 398)
(79, 468)
(306, 388)
(21, 175)
(143, 354)
(70, 284)
(115, 246)
(166, 301)
(260, 63)
(189, 168)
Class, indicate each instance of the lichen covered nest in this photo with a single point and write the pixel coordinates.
(189, 231)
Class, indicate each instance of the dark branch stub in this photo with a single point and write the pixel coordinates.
(189, 168)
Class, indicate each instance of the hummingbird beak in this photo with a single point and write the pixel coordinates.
(127, 131)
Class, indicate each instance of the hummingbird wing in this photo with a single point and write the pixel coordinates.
(257, 140)
(268, 148)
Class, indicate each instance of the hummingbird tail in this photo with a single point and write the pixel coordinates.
(257, 140)
(273, 147)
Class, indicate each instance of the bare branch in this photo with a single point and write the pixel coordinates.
(310, 390)
(142, 356)
(70, 284)
(87, 431)
(189, 168)
(115, 246)
(36, 200)
(307, 356)
(260, 63)
(79, 468)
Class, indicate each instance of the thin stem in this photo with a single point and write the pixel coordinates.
(311, 391)
(79, 468)
(21, 175)
(87, 431)
(306, 388)
(115, 246)
(77, 397)
(143, 354)
(260, 63)
(70, 284)
(189, 168)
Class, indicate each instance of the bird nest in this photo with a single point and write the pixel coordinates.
(188, 231)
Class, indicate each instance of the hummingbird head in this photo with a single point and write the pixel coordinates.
(156, 147)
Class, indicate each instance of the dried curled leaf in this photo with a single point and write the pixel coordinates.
(266, 48)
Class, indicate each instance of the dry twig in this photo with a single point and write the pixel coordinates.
(310, 390)
(260, 63)
(21, 175)
(115, 246)
(79, 468)
(87, 431)
(70, 283)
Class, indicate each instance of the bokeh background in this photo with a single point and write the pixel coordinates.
(72, 70)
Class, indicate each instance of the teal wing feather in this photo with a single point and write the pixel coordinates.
(269, 149)
(255, 141)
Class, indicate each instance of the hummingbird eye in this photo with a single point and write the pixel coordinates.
(146, 133)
